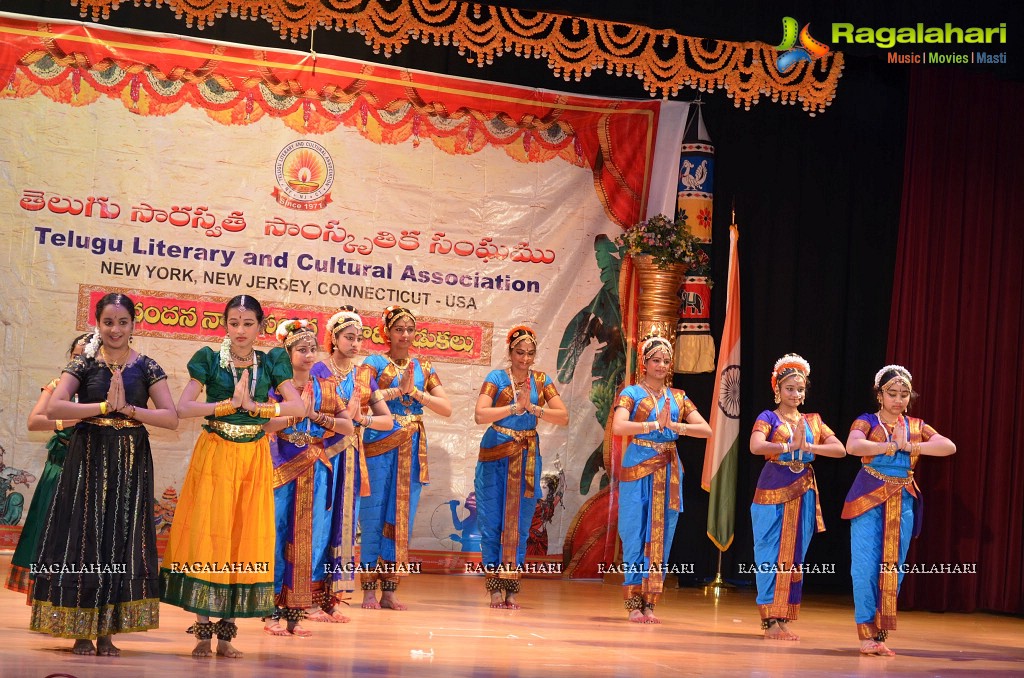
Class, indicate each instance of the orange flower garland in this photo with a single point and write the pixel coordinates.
(573, 46)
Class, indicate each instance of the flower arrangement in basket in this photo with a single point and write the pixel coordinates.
(665, 241)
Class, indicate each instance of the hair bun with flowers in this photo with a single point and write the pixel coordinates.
(654, 342)
(520, 333)
(902, 374)
(789, 364)
(291, 331)
(391, 315)
(93, 346)
(338, 322)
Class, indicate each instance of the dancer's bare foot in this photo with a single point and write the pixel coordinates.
(637, 617)
(370, 600)
(389, 601)
(333, 616)
(83, 646)
(226, 649)
(876, 648)
(779, 631)
(789, 635)
(510, 601)
(649, 617)
(497, 599)
(273, 628)
(316, 614)
(296, 630)
(105, 647)
(203, 648)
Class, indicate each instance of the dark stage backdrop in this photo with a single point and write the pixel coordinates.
(818, 205)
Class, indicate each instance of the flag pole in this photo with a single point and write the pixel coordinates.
(729, 359)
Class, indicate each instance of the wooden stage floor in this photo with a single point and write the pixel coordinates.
(564, 629)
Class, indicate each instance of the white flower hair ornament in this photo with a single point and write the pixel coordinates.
(94, 344)
(225, 352)
(789, 364)
(902, 374)
(289, 326)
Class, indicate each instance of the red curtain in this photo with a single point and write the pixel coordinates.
(957, 323)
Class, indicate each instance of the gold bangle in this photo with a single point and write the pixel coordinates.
(59, 424)
(277, 409)
(915, 449)
(683, 431)
(223, 408)
(647, 427)
(104, 408)
(785, 448)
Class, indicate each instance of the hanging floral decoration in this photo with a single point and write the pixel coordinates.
(573, 47)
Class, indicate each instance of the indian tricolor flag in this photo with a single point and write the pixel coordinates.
(721, 456)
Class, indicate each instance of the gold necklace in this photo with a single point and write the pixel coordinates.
(516, 385)
(793, 418)
(657, 396)
(338, 371)
(883, 422)
(115, 364)
(401, 363)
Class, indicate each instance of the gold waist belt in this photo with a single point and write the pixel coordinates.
(664, 448)
(890, 480)
(794, 466)
(299, 439)
(235, 431)
(113, 422)
(516, 434)
(406, 419)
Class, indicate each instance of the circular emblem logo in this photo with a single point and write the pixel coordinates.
(304, 171)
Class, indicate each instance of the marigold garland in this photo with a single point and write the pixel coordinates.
(573, 46)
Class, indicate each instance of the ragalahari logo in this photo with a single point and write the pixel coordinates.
(789, 53)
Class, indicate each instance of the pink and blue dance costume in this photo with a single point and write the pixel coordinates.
(785, 515)
(884, 507)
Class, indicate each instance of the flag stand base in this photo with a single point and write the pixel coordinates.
(718, 586)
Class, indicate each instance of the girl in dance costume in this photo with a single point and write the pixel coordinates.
(304, 486)
(96, 564)
(883, 503)
(508, 472)
(396, 460)
(651, 480)
(221, 547)
(20, 578)
(342, 341)
(786, 513)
